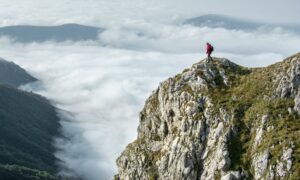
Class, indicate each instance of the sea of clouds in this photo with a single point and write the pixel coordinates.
(100, 86)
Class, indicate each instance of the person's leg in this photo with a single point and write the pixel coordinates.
(208, 57)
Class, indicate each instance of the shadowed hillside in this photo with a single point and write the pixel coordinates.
(28, 125)
(13, 75)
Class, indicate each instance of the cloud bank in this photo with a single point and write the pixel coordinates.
(95, 12)
(101, 86)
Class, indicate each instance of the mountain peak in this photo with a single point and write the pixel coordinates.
(219, 120)
(215, 73)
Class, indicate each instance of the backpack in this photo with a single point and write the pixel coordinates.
(212, 48)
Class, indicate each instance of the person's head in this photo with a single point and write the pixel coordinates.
(207, 43)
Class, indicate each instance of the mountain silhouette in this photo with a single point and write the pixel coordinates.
(72, 32)
(233, 23)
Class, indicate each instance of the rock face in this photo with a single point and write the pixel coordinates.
(219, 121)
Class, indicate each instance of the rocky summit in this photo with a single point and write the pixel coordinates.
(219, 120)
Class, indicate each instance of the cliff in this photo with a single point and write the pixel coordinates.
(219, 121)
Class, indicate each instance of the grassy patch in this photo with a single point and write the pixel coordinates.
(249, 98)
(20, 172)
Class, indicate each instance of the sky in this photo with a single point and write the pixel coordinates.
(100, 86)
(100, 12)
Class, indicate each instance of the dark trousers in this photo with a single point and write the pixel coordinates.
(209, 58)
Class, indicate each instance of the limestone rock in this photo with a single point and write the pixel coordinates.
(218, 120)
(260, 164)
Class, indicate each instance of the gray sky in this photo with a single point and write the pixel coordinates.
(97, 12)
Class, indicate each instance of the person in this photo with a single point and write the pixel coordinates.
(209, 50)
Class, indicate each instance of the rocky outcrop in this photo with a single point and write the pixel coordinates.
(219, 120)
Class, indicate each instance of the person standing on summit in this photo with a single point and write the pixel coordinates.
(209, 50)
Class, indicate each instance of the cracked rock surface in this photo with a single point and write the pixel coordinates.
(219, 120)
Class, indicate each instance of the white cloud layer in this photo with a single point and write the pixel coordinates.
(101, 86)
(103, 89)
(100, 12)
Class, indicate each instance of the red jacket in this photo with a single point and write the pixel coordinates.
(209, 49)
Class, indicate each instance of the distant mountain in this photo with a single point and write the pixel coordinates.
(28, 124)
(73, 32)
(13, 75)
(227, 22)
